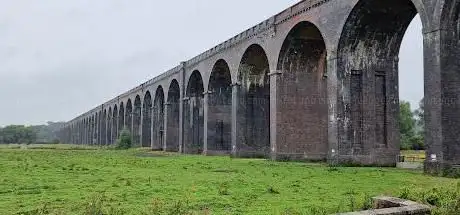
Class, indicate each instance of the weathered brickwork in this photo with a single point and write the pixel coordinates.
(318, 81)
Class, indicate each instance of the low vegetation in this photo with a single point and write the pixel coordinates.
(64, 179)
(124, 141)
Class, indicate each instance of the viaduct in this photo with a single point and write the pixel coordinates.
(317, 81)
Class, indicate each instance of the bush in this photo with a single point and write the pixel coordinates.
(124, 141)
(418, 142)
(445, 200)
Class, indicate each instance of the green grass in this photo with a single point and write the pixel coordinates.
(68, 180)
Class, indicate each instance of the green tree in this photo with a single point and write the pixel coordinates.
(17, 134)
(406, 125)
(420, 114)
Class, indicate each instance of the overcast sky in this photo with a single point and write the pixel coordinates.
(60, 58)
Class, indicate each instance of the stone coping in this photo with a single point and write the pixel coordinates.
(394, 206)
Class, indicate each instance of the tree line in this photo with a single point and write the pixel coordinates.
(19, 134)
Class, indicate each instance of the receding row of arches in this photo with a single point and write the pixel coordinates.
(302, 60)
(240, 111)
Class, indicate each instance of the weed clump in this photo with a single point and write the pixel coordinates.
(160, 207)
(223, 189)
(273, 190)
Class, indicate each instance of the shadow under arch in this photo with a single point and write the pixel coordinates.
(115, 124)
(253, 108)
(158, 119)
(129, 116)
(194, 115)
(172, 113)
(368, 106)
(121, 118)
(147, 120)
(137, 115)
(219, 109)
(302, 95)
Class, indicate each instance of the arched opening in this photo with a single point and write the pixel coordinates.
(121, 119)
(77, 135)
(90, 131)
(193, 112)
(172, 136)
(93, 127)
(147, 120)
(85, 131)
(81, 132)
(96, 124)
(368, 74)
(104, 129)
(254, 103)
(137, 121)
(115, 124)
(99, 128)
(129, 116)
(71, 134)
(109, 126)
(220, 108)
(90, 127)
(158, 119)
(302, 92)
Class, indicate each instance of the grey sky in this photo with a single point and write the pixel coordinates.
(61, 58)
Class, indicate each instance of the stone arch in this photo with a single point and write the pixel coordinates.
(129, 116)
(104, 128)
(121, 119)
(194, 114)
(81, 129)
(172, 113)
(115, 124)
(219, 108)
(147, 120)
(158, 119)
(87, 127)
(88, 135)
(109, 126)
(72, 133)
(85, 131)
(96, 127)
(77, 132)
(302, 94)
(91, 130)
(99, 128)
(137, 116)
(253, 114)
(368, 74)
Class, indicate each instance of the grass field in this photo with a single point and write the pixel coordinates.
(80, 180)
